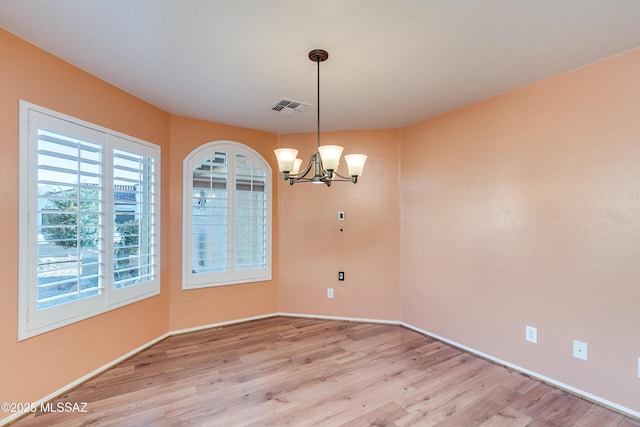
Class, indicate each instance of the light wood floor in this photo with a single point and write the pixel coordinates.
(305, 372)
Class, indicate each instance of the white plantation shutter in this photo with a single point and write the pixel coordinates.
(88, 196)
(209, 208)
(135, 219)
(70, 209)
(250, 214)
(227, 216)
(67, 238)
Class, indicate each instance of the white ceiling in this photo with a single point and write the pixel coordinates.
(391, 63)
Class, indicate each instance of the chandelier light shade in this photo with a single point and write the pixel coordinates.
(296, 166)
(286, 158)
(355, 163)
(330, 155)
(325, 161)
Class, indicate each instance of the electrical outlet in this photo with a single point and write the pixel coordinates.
(580, 350)
(330, 293)
(341, 216)
(341, 275)
(531, 334)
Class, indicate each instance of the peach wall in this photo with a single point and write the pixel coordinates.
(525, 210)
(31, 369)
(197, 307)
(313, 249)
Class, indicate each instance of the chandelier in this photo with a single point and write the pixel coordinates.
(324, 162)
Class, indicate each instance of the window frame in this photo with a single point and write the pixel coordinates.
(31, 321)
(230, 276)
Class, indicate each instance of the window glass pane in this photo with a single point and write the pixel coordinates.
(250, 214)
(69, 219)
(209, 214)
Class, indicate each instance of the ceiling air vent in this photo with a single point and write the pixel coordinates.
(289, 106)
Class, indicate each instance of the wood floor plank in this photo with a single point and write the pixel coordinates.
(286, 371)
(507, 416)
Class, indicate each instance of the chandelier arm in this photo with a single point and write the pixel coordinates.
(327, 182)
(300, 180)
(353, 179)
(348, 178)
(304, 173)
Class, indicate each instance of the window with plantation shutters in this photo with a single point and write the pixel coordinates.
(227, 216)
(89, 220)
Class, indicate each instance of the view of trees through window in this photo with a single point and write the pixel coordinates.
(71, 252)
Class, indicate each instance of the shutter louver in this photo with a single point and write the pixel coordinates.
(133, 218)
(209, 215)
(70, 217)
(250, 215)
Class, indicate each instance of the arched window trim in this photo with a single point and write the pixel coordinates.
(230, 275)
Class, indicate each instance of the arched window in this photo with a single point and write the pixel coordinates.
(226, 216)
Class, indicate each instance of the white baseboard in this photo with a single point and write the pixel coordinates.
(558, 384)
(217, 325)
(517, 368)
(85, 378)
(551, 381)
(347, 319)
(102, 369)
